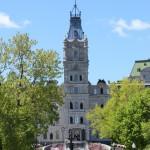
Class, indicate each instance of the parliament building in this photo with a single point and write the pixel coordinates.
(80, 94)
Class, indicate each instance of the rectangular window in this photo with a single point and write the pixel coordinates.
(76, 119)
(71, 89)
(76, 90)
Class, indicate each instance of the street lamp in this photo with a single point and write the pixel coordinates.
(70, 138)
(133, 146)
(62, 130)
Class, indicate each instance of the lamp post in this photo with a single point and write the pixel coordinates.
(62, 130)
(133, 146)
(70, 138)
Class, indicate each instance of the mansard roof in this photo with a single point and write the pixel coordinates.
(139, 65)
(75, 30)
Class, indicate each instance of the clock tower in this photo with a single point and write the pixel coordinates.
(79, 94)
(76, 77)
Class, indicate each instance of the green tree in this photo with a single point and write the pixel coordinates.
(29, 94)
(125, 118)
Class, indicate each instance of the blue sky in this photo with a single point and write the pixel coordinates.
(118, 30)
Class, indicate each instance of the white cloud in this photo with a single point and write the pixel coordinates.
(121, 26)
(25, 23)
(7, 22)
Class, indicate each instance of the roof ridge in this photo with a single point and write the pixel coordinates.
(146, 60)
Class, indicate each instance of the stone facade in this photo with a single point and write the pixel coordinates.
(80, 94)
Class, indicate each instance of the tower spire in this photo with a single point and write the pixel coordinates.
(75, 11)
(75, 31)
(75, 6)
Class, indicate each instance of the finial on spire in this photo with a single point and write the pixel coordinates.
(75, 31)
(75, 11)
(75, 6)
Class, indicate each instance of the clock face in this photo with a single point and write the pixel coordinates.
(75, 34)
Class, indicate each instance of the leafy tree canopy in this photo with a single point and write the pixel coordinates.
(29, 94)
(126, 116)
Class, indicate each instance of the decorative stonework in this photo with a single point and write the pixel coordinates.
(80, 95)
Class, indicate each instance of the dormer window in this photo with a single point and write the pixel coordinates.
(101, 90)
(138, 69)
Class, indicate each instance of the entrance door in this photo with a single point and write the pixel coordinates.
(77, 134)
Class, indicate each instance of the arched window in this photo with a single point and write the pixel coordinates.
(71, 120)
(80, 77)
(71, 78)
(81, 105)
(102, 105)
(101, 90)
(81, 120)
(71, 105)
(51, 136)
